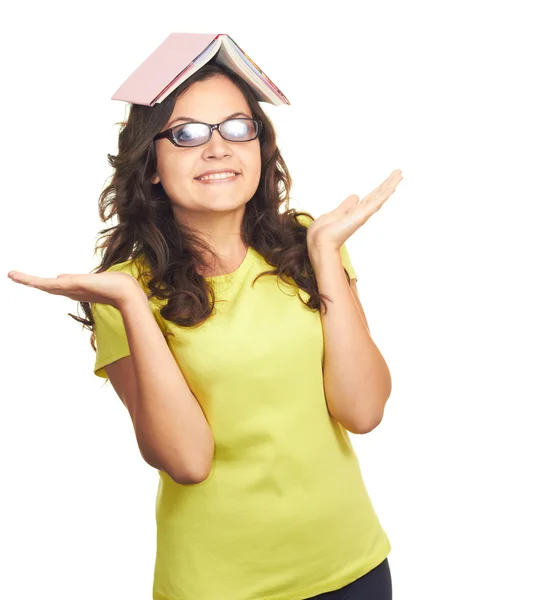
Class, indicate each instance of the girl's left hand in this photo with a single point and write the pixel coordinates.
(332, 229)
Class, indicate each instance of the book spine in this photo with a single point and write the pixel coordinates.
(251, 64)
(201, 59)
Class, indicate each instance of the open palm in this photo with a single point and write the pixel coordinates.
(332, 229)
(109, 287)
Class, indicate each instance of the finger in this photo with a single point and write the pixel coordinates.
(20, 277)
(391, 182)
(389, 185)
(377, 201)
(47, 284)
(373, 202)
(377, 191)
(382, 193)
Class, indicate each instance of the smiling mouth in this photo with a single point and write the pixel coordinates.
(219, 179)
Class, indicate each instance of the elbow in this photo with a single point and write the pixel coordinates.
(358, 424)
(188, 479)
(366, 424)
(367, 427)
(188, 476)
(199, 475)
(199, 471)
(187, 465)
(181, 475)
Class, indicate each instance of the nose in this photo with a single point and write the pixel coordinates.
(217, 145)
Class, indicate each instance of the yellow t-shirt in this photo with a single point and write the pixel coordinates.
(284, 513)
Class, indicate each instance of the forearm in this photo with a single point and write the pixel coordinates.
(169, 422)
(356, 377)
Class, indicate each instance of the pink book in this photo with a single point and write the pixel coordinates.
(181, 55)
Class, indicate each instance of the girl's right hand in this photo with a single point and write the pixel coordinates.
(109, 287)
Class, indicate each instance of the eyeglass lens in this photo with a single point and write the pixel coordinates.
(234, 130)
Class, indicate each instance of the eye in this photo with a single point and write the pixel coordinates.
(189, 132)
(239, 129)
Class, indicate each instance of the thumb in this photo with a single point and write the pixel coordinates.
(349, 203)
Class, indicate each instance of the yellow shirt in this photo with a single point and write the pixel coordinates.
(284, 513)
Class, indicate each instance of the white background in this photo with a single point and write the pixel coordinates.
(448, 276)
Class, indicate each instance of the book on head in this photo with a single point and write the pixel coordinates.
(180, 55)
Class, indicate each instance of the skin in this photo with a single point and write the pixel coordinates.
(331, 230)
(215, 211)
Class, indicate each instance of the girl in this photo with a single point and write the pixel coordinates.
(207, 313)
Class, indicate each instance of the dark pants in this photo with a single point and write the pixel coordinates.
(374, 585)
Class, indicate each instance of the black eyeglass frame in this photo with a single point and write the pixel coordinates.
(168, 133)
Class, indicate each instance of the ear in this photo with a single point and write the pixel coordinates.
(155, 179)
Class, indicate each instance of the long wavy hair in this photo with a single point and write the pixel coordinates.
(173, 255)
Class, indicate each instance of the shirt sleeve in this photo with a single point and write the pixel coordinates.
(110, 334)
(111, 339)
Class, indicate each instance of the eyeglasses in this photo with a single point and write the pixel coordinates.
(189, 135)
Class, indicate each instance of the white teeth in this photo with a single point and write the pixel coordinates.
(217, 176)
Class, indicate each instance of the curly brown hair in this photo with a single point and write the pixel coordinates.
(147, 233)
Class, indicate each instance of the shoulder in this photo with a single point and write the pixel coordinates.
(304, 219)
(127, 266)
(140, 270)
(137, 268)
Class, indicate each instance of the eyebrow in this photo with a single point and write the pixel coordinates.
(199, 120)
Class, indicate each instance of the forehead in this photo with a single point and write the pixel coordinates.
(211, 100)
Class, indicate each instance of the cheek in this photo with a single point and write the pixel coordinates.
(252, 176)
(254, 167)
(175, 174)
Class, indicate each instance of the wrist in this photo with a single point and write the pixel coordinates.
(319, 254)
(133, 296)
